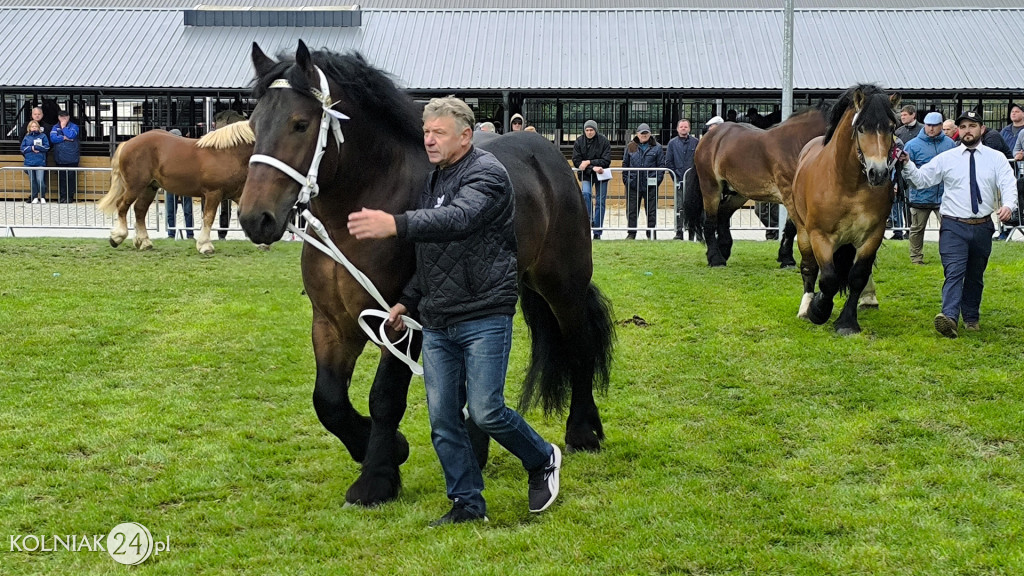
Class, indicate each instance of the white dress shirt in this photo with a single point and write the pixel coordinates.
(953, 169)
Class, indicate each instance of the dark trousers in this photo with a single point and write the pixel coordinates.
(649, 196)
(225, 218)
(768, 214)
(67, 183)
(964, 249)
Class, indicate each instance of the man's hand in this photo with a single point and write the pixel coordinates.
(1019, 156)
(1004, 214)
(395, 317)
(598, 169)
(368, 223)
(584, 164)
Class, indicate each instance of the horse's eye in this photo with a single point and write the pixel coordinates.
(860, 129)
(301, 126)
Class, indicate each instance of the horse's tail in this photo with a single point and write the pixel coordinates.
(693, 204)
(108, 204)
(843, 261)
(555, 358)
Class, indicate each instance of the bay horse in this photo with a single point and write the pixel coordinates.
(736, 162)
(213, 168)
(378, 161)
(842, 195)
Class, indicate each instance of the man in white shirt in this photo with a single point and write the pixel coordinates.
(974, 177)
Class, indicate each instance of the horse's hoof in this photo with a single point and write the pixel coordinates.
(207, 249)
(716, 262)
(787, 264)
(372, 490)
(264, 247)
(848, 330)
(868, 302)
(144, 244)
(115, 243)
(582, 442)
(819, 310)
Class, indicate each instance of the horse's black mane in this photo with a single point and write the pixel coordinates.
(370, 89)
(872, 116)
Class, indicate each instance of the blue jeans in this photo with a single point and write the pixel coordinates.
(964, 249)
(37, 184)
(186, 211)
(896, 216)
(595, 210)
(464, 365)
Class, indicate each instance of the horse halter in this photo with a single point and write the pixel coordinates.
(330, 122)
(893, 154)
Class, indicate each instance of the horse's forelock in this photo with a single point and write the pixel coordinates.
(868, 118)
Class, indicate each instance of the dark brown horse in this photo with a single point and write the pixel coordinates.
(736, 162)
(212, 168)
(382, 164)
(841, 198)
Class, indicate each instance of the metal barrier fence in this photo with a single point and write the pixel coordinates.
(80, 214)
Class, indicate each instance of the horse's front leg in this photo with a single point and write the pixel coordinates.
(142, 204)
(808, 273)
(828, 279)
(387, 448)
(860, 275)
(210, 203)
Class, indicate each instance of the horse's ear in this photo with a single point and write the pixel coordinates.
(302, 57)
(261, 61)
(895, 99)
(858, 99)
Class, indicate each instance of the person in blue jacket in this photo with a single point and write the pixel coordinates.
(34, 147)
(66, 154)
(928, 144)
(643, 151)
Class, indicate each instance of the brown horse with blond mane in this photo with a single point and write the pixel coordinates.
(842, 194)
(736, 162)
(213, 167)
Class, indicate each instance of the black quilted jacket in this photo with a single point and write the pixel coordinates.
(465, 243)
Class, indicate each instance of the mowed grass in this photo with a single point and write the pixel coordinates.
(174, 390)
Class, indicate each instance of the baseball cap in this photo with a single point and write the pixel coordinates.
(63, 113)
(643, 128)
(970, 115)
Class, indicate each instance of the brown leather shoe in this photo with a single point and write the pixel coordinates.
(972, 326)
(945, 325)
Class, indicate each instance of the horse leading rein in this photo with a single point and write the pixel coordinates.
(330, 122)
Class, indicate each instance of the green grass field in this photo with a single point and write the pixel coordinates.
(174, 390)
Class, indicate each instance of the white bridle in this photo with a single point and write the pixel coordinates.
(330, 122)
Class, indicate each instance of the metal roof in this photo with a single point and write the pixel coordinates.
(522, 4)
(534, 50)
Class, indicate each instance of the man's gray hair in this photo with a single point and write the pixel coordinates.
(453, 107)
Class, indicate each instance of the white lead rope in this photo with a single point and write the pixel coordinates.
(331, 122)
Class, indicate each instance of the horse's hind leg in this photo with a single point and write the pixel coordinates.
(785, 257)
(808, 274)
(142, 241)
(869, 298)
(120, 230)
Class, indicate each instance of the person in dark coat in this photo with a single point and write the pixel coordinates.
(591, 155)
(679, 159)
(643, 151)
(34, 147)
(64, 139)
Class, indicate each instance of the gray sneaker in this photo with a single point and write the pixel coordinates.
(945, 325)
(544, 482)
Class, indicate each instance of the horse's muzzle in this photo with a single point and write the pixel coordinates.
(877, 176)
(262, 227)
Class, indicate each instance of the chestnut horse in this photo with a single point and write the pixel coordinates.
(841, 198)
(334, 128)
(213, 168)
(739, 162)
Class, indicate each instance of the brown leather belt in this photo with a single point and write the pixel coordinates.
(972, 221)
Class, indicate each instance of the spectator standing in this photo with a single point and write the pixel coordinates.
(910, 127)
(949, 129)
(592, 154)
(172, 205)
(924, 201)
(517, 122)
(710, 124)
(1018, 147)
(974, 178)
(993, 140)
(643, 151)
(34, 147)
(223, 119)
(37, 117)
(679, 159)
(465, 288)
(1011, 131)
(66, 154)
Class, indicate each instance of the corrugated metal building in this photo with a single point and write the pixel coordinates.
(125, 66)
